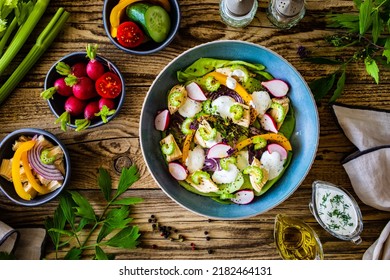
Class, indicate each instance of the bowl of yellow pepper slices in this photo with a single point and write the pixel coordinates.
(141, 27)
(34, 166)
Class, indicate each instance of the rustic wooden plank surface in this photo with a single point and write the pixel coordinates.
(245, 239)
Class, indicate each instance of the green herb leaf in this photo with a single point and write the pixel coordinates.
(58, 221)
(340, 87)
(74, 254)
(67, 204)
(116, 218)
(322, 86)
(365, 19)
(128, 177)
(104, 182)
(126, 238)
(84, 209)
(357, 3)
(100, 254)
(348, 21)
(372, 68)
(61, 231)
(6, 256)
(127, 201)
(386, 52)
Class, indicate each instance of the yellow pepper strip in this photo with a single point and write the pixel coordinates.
(275, 137)
(239, 88)
(30, 176)
(118, 11)
(186, 146)
(24, 147)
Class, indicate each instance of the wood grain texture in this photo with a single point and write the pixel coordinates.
(250, 238)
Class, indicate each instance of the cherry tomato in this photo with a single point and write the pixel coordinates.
(130, 35)
(108, 85)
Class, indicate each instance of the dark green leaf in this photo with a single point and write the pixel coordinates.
(128, 201)
(365, 19)
(322, 86)
(372, 68)
(84, 208)
(288, 126)
(357, 3)
(67, 205)
(58, 221)
(386, 52)
(128, 177)
(323, 60)
(104, 182)
(83, 222)
(73, 254)
(376, 26)
(126, 238)
(348, 21)
(100, 254)
(339, 88)
(116, 218)
(61, 231)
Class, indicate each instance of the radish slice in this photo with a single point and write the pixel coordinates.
(161, 121)
(178, 171)
(243, 197)
(277, 88)
(195, 92)
(277, 148)
(268, 123)
(219, 150)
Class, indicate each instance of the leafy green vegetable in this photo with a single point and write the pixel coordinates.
(74, 212)
(205, 65)
(368, 33)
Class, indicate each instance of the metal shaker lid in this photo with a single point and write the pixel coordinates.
(239, 7)
(289, 7)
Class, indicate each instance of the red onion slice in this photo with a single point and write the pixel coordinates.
(47, 171)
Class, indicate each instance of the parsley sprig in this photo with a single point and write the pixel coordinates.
(74, 221)
(368, 33)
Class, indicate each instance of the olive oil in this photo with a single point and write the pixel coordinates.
(295, 240)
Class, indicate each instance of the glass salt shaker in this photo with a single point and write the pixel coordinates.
(238, 13)
(285, 13)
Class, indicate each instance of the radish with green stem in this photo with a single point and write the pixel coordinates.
(73, 108)
(90, 112)
(106, 108)
(78, 69)
(83, 87)
(59, 87)
(95, 68)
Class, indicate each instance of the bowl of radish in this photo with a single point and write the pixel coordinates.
(34, 166)
(141, 27)
(84, 90)
(235, 136)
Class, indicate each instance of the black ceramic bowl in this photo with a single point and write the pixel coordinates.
(6, 152)
(150, 46)
(56, 103)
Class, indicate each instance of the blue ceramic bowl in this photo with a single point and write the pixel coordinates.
(6, 152)
(149, 47)
(56, 104)
(304, 139)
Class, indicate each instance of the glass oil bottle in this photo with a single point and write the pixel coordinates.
(295, 240)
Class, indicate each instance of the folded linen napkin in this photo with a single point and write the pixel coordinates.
(23, 243)
(368, 168)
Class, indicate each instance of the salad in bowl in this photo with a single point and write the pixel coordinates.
(225, 130)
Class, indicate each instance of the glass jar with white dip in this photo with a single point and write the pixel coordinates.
(336, 211)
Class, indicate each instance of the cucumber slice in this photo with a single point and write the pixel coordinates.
(157, 23)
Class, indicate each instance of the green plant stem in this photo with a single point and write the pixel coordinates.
(44, 40)
(7, 34)
(23, 33)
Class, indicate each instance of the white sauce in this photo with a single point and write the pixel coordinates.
(222, 105)
(336, 210)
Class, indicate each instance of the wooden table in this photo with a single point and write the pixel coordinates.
(245, 239)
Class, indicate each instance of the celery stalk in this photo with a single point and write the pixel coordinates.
(7, 34)
(23, 33)
(44, 40)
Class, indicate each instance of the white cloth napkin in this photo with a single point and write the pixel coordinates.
(23, 243)
(369, 168)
